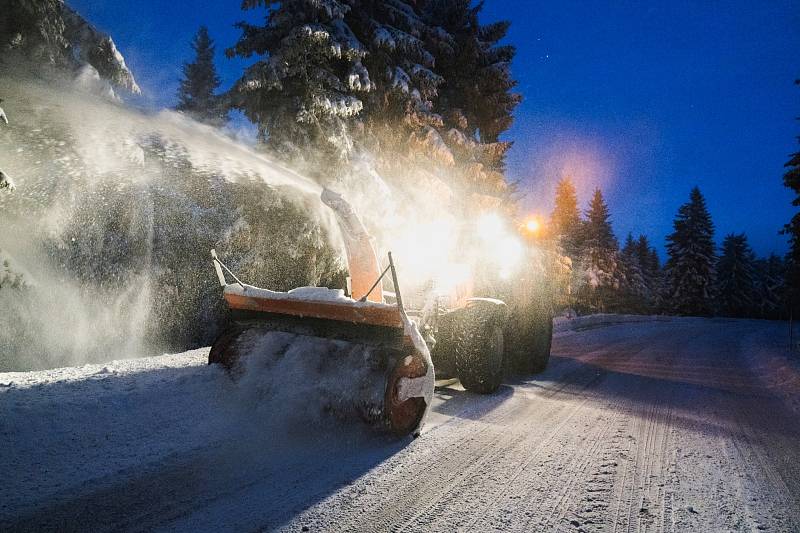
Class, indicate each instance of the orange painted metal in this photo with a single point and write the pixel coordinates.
(357, 314)
(362, 263)
(404, 416)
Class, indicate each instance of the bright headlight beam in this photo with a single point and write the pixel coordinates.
(532, 225)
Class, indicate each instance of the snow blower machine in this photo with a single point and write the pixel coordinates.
(384, 363)
(386, 350)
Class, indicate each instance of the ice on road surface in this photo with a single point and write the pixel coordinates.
(639, 424)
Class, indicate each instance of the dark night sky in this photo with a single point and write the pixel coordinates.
(644, 102)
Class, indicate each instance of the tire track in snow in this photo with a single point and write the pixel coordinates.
(566, 500)
(762, 475)
(431, 482)
(500, 482)
(471, 492)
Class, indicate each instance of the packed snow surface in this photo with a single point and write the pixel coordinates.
(639, 423)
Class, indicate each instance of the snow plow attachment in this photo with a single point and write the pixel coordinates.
(368, 358)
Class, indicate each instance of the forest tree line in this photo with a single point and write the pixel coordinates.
(697, 279)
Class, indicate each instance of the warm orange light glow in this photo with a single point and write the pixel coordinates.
(533, 225)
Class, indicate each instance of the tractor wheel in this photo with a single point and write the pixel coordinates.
(443, 353)
(479, 353)
(543, 340)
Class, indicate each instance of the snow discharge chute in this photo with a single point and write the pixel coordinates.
(370, 360)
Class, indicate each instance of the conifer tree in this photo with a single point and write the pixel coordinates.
(337, 77)
(648, 257)
(690, 267)
(196, 93)
(565, 221)
(636, 295)
(600, 258)
(475, 98)
(304, 85)
(41, 34)
(736, 283)
(791, 179)
(334, 77)
(651, 271)
(597, 232)
(771, 296)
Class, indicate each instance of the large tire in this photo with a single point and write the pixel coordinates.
(443, 353)
(479, 352)
(543, 341)
(529, 335)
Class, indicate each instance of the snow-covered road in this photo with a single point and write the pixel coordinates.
(644, 425)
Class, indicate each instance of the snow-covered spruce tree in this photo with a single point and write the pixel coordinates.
(736, 283)
(197, 91)
(399, 126)
(47, 36)
(565, 221)
(476, 98)
(791, 179)
(302, 92)
(599, 260)
(690, 267)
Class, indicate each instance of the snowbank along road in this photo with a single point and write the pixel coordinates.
(638, 425)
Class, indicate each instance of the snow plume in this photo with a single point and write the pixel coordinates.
(420, 221)
(101, 190)
(302, 379)
(116, 211)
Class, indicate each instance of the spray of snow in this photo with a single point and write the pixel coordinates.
(69, 148)
(292, 378)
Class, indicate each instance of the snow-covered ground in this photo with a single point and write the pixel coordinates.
(639, 423)
(565, 325)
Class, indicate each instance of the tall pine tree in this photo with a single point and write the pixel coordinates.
(334, 78)
(475, 99)
(565, 221)
(651, 270)
(636, 294)
(736, 278)
(600, 261)
(197, 91)
(304, 87)
(771, 287)
(791, 179)
(690, 267)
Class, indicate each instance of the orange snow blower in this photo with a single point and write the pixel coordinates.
(386, 376)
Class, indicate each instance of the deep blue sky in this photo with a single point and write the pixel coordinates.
(644, 102)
